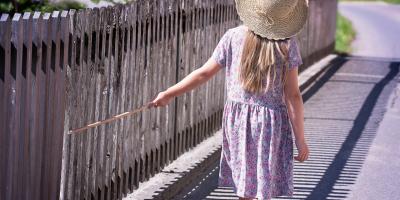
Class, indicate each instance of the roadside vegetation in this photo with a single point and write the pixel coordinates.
(20, 6)
(393, 1)
(345, 34)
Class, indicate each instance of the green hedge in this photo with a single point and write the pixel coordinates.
(345, 34)
(28, 6)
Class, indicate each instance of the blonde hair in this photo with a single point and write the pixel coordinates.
(258, 62)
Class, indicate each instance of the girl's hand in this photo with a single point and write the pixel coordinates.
(302, 149)
(162, 100)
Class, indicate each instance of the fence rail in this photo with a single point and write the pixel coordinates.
(62, 70)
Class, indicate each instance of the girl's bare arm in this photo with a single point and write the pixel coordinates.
(195, 79)
(294, 102)
(190, 82)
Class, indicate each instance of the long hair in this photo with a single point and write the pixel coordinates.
(258, 62)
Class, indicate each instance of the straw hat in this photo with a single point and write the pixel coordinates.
(273, 19)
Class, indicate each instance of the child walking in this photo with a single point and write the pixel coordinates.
(264, 104)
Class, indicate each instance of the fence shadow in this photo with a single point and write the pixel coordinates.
(325, 185)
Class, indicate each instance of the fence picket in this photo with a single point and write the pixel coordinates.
(5, 101)
(25, 104)
(15, 155)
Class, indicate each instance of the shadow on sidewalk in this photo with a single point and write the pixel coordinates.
(325, 185)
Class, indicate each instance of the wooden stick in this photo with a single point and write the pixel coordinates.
(114, 118)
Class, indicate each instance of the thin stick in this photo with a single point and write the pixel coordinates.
(114, 118)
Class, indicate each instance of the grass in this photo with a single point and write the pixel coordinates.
(345, 34)
(393, 1)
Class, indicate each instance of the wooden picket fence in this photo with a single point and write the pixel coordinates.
(62, 70)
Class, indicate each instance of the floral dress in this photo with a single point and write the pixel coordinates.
(257, 147)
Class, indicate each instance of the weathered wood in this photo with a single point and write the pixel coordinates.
(147, 91)
(197, 62)
(64, 37)
(134, 125)
(119, 88)
(124, 157)
(210, 90)
(94, 107)
(80, 68)
(5, 101)
(90, 82)
(160, 122)
(193, 57)
(164, 129)
(71, 110)
(117, 103)
(113, 98)
(25, 103)
(173, 73)
(122, 100)
(152, 78)
(157, 81)
(56, 134)
(103, 102)
(38, 106)
(16, 136)
(138, 89)
(47, 107)
(184, 103)
(142, 77)
(125, 154)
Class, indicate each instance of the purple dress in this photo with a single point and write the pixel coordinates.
(257, 149)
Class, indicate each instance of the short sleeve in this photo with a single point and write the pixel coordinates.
(221, 50)
(295, 59)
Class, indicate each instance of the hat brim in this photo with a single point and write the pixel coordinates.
(280, 29)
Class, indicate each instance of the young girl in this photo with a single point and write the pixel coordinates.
(264, 104)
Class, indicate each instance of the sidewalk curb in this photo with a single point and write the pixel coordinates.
(189, 166)
(308, 76)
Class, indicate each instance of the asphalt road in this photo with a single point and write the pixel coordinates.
(378, 28)
(352, 120)
(378, 34)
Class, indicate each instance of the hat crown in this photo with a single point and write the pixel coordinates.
(276, 8)
(273, 19)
